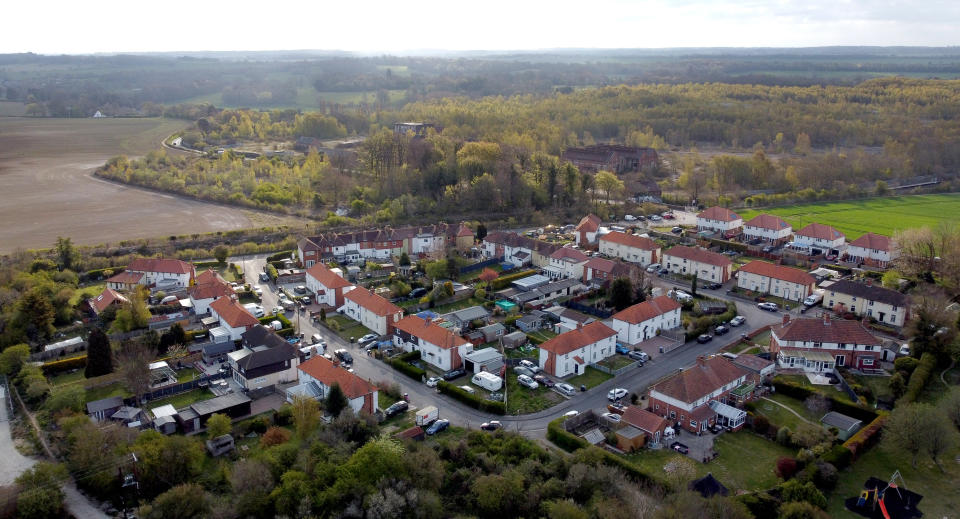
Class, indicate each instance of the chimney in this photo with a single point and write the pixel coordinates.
(826, 319)
(579, 326)
(702, 361)
(786, 319)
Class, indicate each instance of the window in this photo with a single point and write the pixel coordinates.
(656, 407)
(673, 415)
(693, 423)
(868, 362)
(870, 303)
(842, 346)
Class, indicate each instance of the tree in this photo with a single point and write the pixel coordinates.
(786, 468)
(174, 336)
(794, 490)
(609, 184)
(951, 406)
(133, 315)
(336, 401)
(803, 144)
(939, 435)
(133, 364)
(99, 355)
(12, 359)
(220, 252)
(801, 510)
(901, 431)
(565, 509)
(404, 259)
(481, 232)
(36, 312)
(891, 279)
(180, 502)
(621, 293)
(932, 328)
(66, 255)
(218, 424)
(40, 495)
(306, 415)
(897, 385)
(693, 285)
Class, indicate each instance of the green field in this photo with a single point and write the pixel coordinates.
(879, 215)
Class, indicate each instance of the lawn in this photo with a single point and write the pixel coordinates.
(828, 390)
(738, 347)
(187, 374)
(87, 292)
(616, 362)
(590, 378)
(459, 305)
(880, 386)
(66, 378)
(347, 327)
(782, 417)
(879, 215)
(745, 461)
(522, 400)
(541, 336)
(181, 400)
(107, 391)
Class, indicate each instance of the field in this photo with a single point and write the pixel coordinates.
(308, 98)
(45, 167)
(878, 215)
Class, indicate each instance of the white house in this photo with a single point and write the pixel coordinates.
(768, 228)
(707, 265)
(327, 286)
(873, 249)
(644, 320)
(208, 288)
(566, 262)
(371, 310)
(586, 231)
(819, 239)
(163, 271)
(571, 352)
(719, 219)
(318, 375)
(766, 278)
(233, 317)
(437, 345)
(867, 300)
(630, 247)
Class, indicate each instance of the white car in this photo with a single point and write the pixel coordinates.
(612, 417)
(616, 394)
(527, 382)
(433, 381)
(656, 218)
(630, 218)
(530, 365)
(570, 414)
(738, 320)
(468, 389)
(768, 306)
(682, 296)
(257, 290)
(653, 267)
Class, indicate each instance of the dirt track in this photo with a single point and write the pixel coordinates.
(46, 187)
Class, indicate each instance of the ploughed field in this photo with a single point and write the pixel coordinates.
(47, 190)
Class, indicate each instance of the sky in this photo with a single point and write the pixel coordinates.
(385, 26)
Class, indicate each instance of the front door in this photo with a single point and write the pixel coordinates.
(840, 359)
(576, 367)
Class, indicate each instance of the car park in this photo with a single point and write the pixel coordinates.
(454, 373)
(768, 306)
(738, 320)
(679, 447)
(528, 382)
(542, 379)
(492, 425)
(720, 330)
(705, 338)
(396, 408)
(438, 426)
(433, 381)
(612, 417)
(616, 394)
(520, 370)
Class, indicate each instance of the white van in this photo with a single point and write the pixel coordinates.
(487, 381)
(315, 338)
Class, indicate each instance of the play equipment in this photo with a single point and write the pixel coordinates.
(886, 499)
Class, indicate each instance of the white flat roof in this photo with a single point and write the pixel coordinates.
(159, 365)
(164, 410)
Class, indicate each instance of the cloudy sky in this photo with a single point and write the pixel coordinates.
(74, 26)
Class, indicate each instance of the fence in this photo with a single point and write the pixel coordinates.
(614, 372)
(176, 389)
(846, 387)
(480, 265)
(589, 310)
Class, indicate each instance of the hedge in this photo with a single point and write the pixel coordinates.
(919, 378)
(724, 317)
(407, 369)
(207, 264)
(802, 393)
(267, 319)
(282, 255)
(56, 366)
(570, 443)
(474, 401)
(409, 356)
(838, 456)
(504, 281)
(865, 437)
(286, 332)
(98, 273)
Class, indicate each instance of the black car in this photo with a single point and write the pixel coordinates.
(452, 374)
(541, 379)
(705, 338)
(396, 408)
(720, 330)
(679, 447)
(418, 292)
(714, 286)
(344, 356)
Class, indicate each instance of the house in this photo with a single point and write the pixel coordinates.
(571, 352)
(492, 332)
(615, 158)
(868, 300)
(586, 231)
(328, 287)
(758, 369)
(568, 319)
(125, 281)
(518, 249)
(378, 244)
(708, 266)
(644, 320)
(601, 271)
(321, 374)
(233, 317)
(464, 238)
(818, 345)
(438, 346)
(209, 287)
(530, 322)
(109, 297)
(819, 239)
(847, 426)
(266, 359)
(875, 250)
(163, 272)
(784, 282)
(651, 424)
(194, 417)
(371, 310)
(566, 262)
(462, 318)
(699, 396)
(485, 359)
(100, 410)
(767, 228)
(630, 247)
(720, 220)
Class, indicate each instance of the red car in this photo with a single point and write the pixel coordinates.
(668, 216)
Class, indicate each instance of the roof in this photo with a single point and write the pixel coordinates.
(430, 332)
(372, 302)
(471, 313)
(719, 213)
(699, 255)
(218, 348)
(872, 241)
(126, 277)
(576, 339)
(569, 253)
(164, 410)
(768, 221)
(821, 231)
(464, 231)
(601, 264)
(483, 355)
(647, 310)
(644, 420)
(106, 298)
(824, 330)
(870, 292)
(513, 239)
(752, 362)
(840, 421)
(629, 432)
(699, 380)
(576, 316)
(210, 288)
(126, 413)
(233, 313)
(164, 265)
(103, 404)
(327, 277)
(630, 240)
(324, 371)
(220, 403)
(589, 223)
(210, 276)
(708, 486)
(788, 274)
(261, 335)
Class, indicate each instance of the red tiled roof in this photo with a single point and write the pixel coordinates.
(327, 277)
(788, 274)
(644, 420)
(211, 290)
(700, 380)
(164, 265)
(872, 241)
(210, 276)
(601, 264)
(630, 240)
(819, 230)
(372, 302)
(127, 278)
(768, 221)
(430, 332)
(647, 310)
(106, 298)
(823, 330)
(233, 313)
(589, 223)
(719, 213)
(698, 254)
(464, 231)
(570, 253)
(576, 339)
(323, 370)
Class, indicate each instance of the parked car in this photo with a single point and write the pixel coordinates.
(257, 290)
(438, 426)
(528, 382)
(530, 365)
(613, 417)
(565, 389)
(738, 320)
(655, 218)
(618, 409)
(264, 276)
(623, 350)
(653, 267)
(542, 379)
(369, 337)
(630, 218)
(396, 408)
(433, 381)
(520, 370)
(454, 373)
(570, 414)
(616, 394)
(768, 249)
(492, 425)
(679, 447)
(467, 389)
(418, 292)
(344, 356)
(277, 310)
(639, 355)
(316, 339)
(669, 216)
(705, 338)
(663, 270)
(300, 289)
(768, 306)
(681, 296)
(307, 300)
(720, 330)
(713, 286)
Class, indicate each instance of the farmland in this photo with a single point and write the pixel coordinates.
(45, 167)
(878, 215)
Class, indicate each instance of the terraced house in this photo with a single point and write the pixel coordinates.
(708, 266)
(385, 243)
(630, 247)
(784, 282)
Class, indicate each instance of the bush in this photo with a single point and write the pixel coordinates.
(58, 366)
(275, 436)
(906, 365)
(407, 369)
(267, 319)
(477, 402)
(783, 435)
(563, 439)
(284, 415)
(838, 456)
(919, 378)
(794, 490)
(786, 468)
(760, 504)
(760, 424)
(802, 393)
(866, 437)
(282, 255)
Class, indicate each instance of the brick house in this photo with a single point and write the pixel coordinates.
(265, 360)
(571, 352)
(437, 345)
(819, 345)
(566, 262)
(652, 424)
(233, 317)
(701, 395)
(209, 287)
(630, 247)
(586, 231)
(109, 297)
(766, 278)
(644, 320)
(708, 266)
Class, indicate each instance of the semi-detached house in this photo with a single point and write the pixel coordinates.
(233, 317)
(819, 239)
(785, 282)
(327, 286)
(630, 247)
(437, 345)
(209, 287)
(371, 310)
(318, 375)
(586, 231)
(162, 271)
(566, 262)
(703, 395)
(644, 320)
(721, 220)
(767, 227)
(868, 300)
(820, 344)
(708, 266)
(872, 249)
(571, 352)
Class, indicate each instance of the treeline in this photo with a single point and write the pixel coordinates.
(219, 127)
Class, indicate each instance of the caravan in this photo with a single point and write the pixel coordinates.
(487, 381)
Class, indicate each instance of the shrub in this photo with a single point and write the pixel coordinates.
(284, 415)
(282, 255)
(257, 425)
(504, 281)
(838, 456)
(761, 424)
(794, 490)
(783, 435)
(866, 437)
(906, 365)
(275, 436)
(760, 504)
(919, 378)
(477, 402)
(786, 468)
(563, 439)
(267, 319)
(57, 366)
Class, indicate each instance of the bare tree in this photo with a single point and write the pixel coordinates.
(133, 364)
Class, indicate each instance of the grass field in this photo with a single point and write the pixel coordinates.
(878, 215)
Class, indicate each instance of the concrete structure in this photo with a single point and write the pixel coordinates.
(571, 352)
(163, 271)
(437, 345)
(329, 289)
(234, 318)
(371, 310)
(785, 282)
(645, 320)
(708, 266)
(686, 397)
(767, 227)
(818, 345)
(720, 220)
(318, 375)
(630, 247)
(819, 239)
(872, 249)
(868, 300)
